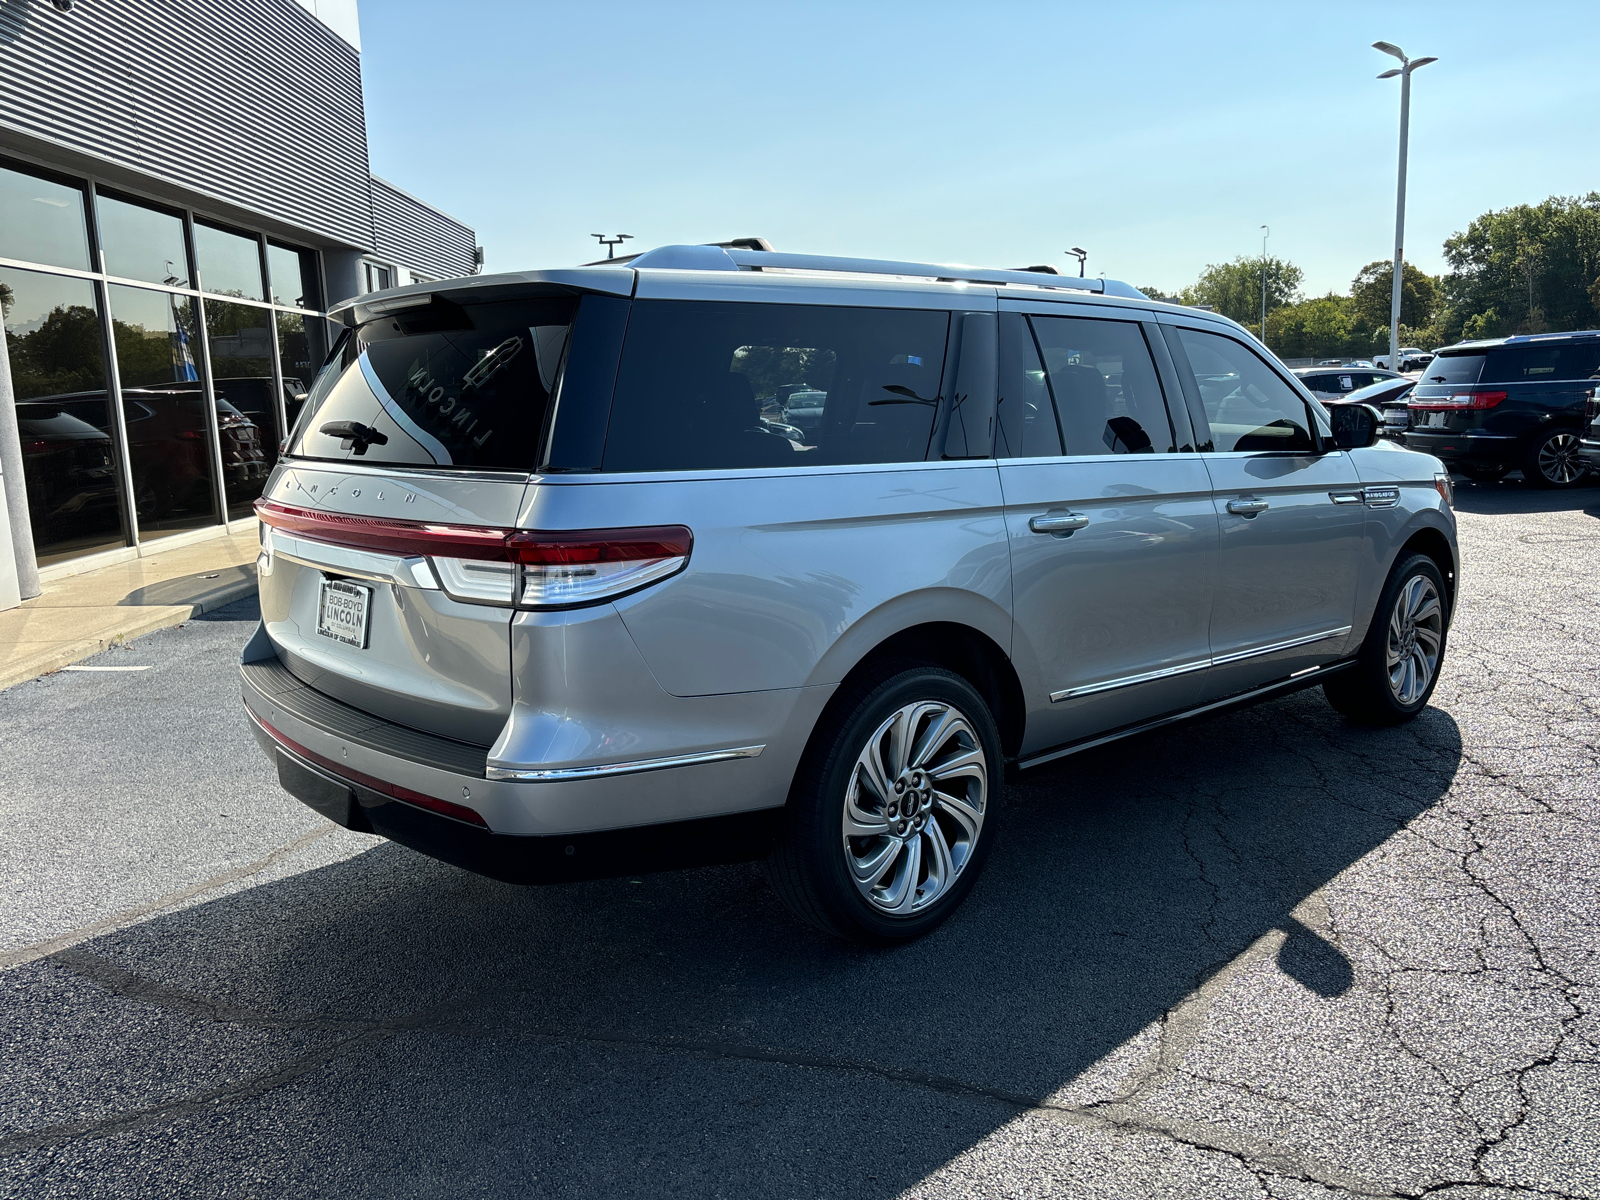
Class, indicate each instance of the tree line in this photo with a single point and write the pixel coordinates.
(1531, 268)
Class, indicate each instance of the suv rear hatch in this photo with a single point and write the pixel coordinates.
(388, 576)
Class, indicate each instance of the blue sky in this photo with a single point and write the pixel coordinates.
(1158, 136)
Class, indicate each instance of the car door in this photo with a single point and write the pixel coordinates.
(1289, 511)
(1109, 519)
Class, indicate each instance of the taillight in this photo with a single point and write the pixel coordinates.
(486, 565)
(1459, 401)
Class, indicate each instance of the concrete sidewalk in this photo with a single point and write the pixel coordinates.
(81, 615)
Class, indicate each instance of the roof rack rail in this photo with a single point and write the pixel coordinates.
(944, 272)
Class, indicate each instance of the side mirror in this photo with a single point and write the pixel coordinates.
(1354, 425)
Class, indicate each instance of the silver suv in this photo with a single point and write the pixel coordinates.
(551, 590)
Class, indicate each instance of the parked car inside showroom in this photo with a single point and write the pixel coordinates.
(544, 597)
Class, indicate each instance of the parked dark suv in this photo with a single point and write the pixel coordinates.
(1489, 407)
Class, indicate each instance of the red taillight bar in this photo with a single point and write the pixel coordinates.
(1459, 401)
(477, 541)
(444, 807)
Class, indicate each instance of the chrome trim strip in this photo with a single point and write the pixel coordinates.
(1129, 681)
(607, 770)
(1294, 683)
(1198, 665)
(1240, 655)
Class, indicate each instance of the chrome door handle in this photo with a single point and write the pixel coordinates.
(1060, 524)
(1247, 507)
(1345, 497)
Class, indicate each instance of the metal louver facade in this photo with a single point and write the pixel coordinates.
(408, 231)
(253, 102)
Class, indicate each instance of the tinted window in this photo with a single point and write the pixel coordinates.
(1027, 419)
(444, 385)
(1319, 383)
(1453, 369)
(230, 263)
(294, 276)
(1536, 364)
(42, 221)
(142, 243)
(1107, 397)
(1249, 407)
(709, 385)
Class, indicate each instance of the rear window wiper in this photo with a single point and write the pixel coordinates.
(354, 435)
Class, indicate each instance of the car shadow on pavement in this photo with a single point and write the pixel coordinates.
(391, 1026)
(1507, 497)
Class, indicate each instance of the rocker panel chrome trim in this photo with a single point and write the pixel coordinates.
(606, 770)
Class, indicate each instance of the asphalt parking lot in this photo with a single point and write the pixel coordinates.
(1270, 955)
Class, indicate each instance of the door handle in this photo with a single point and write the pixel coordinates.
(1247, 507)
(1060, 524)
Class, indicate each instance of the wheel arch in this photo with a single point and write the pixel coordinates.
(1432, 542)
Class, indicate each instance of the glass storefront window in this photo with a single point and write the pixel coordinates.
(53, 333)
(142, 243)
(294, 276)
(229, 263)
(164, 409)
(302, 347)
(240, 337)
(42, 221)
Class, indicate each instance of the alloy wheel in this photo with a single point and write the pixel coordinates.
(914, 808)
(1558, 459)
(1416, 635)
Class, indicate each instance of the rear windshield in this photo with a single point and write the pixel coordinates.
(1535, 364)
(447, 385)
(1453, 369)
(706, 385)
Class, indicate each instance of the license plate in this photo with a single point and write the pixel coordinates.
(1437, 420)
(343, 612)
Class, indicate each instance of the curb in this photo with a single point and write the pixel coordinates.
(141, 620)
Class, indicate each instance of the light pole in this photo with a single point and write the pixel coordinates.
(1266, 232)
(1407, 65)
(1081, 255)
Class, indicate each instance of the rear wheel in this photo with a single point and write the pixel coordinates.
(1553, 462)
(1398, 663)
(1482, 474)
(892, 811)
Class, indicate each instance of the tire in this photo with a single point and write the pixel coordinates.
(1395, 673)
(1482, 474)
(915, 865)
(1553, 461)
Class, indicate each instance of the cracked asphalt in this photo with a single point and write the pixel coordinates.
(1272, 955)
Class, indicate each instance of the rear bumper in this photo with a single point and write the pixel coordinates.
(1484, 448)
(549, 859)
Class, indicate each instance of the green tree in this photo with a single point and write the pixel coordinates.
(1156, 293)
(1372, 295)
(1234, 288)
(1319, 328)
(62, 355)
(1525, 269)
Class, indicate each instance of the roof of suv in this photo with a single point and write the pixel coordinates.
(757, 266)
(1520, 339)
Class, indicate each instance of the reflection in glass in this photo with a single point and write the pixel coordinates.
(240, 338)
(302, 347)
(58, 371)
(229, 263)
(42, 221)
(142, 243)
(294, 276)
(164, 408)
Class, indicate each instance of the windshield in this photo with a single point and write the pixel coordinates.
(447, 385)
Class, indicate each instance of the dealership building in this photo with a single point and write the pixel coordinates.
(184, 191)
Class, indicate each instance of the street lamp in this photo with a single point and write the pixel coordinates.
(1266, 232)
(612, 242)
(1081, 255)
(1407, 65)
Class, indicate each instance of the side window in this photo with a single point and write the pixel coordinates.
(726, 385)
(1533, 364)
(1107, 396)
(1249, 407)
(1316, 383)
(1027, 422)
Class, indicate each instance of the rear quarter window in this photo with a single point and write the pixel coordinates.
(443, 386)
(706, 385)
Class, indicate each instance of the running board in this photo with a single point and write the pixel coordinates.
(1295, 682)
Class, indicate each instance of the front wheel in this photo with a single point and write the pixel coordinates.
(1398, 663)
(1554, 462)
(892, 811)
